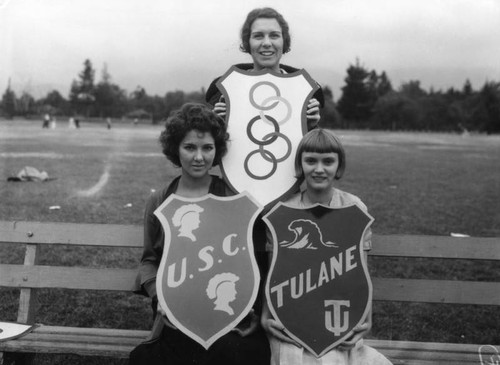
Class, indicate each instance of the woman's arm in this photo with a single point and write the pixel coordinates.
(152, 249)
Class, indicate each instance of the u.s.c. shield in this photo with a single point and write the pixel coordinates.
(318, 286)
(208, 278)
(266, 116)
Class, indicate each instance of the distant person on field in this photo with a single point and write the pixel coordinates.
(108, 123)
(46, 121)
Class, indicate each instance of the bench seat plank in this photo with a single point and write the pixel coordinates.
(119, 343)
(426, 353)
(79, 341)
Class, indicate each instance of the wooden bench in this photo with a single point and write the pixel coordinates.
(434, 291)
(29, 277)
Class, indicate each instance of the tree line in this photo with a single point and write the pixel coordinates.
(368, 101)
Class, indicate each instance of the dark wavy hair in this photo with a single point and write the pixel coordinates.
(320, 140)
(268, 13)
(193, 116)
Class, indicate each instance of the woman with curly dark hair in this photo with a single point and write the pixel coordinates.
(194, 139)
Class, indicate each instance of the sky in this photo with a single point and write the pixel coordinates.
(168, 45)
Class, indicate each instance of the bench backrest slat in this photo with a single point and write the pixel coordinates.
(478, 248)
(72, 234)
(436, 291)
(407, 290)
(19, 276)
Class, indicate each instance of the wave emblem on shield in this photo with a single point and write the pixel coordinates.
(318, 286)
(266, 115)
(208, 278)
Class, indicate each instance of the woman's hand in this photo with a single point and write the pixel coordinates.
(272, 327)
(359, 332)
(312, 113)
(164, 317)
(220, 108)
(252, 322)
(277, 330)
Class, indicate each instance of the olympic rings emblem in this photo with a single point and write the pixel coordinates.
(285, 156)
(284, 101)
(252, 93)
(270, 137)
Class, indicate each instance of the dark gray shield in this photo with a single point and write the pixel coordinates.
(318, 286)
(208, 277)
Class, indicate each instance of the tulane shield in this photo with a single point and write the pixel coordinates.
(318, 286)
(266, 116)
(208, 277)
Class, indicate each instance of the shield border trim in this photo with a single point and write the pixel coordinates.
(273, 264)
(161, 269)
(303, 113)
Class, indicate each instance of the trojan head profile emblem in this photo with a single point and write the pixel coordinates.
(208, 278)
(318, 286)
(266, 115)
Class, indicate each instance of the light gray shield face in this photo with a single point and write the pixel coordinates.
(266, 116)
(208, 278)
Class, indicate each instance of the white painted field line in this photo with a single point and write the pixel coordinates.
(103, 180)
(31, 155)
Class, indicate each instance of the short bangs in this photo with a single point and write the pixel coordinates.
(320, 140)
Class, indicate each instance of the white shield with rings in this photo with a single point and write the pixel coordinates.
(266, 116)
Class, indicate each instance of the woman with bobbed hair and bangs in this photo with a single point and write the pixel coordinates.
(265, 36)
(194, 139)
(320, 141)
(320, 160)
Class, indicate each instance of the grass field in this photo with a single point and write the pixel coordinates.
(413, 183)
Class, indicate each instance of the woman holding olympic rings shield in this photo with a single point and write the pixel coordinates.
(265, 35)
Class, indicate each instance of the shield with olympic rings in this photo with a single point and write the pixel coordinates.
(266, 116)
